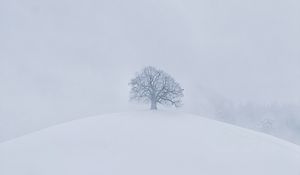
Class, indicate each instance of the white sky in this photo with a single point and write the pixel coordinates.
(62, 59)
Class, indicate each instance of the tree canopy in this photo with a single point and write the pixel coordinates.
(155, 86)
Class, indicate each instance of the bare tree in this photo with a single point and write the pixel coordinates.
(155, 86)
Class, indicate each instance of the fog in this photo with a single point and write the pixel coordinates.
(61, 59)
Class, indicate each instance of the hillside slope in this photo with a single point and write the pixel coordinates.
(148, 143)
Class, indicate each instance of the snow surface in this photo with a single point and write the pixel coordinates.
(148, 143)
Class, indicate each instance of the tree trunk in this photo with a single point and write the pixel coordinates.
(153, 105)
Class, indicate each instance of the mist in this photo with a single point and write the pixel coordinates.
(63, 60)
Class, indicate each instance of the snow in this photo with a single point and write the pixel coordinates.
(148, 143)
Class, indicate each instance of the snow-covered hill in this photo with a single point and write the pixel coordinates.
(148, 143)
